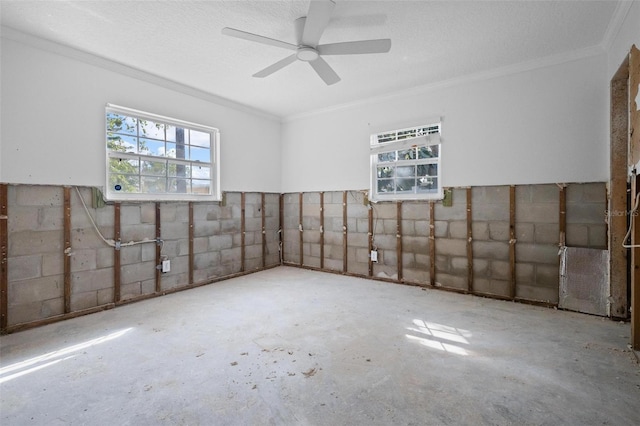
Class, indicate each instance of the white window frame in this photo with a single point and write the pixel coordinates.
(398, 144)
(112, 194)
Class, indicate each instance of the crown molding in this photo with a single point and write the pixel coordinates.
(521, 67)
(615, 23)
(117, 67)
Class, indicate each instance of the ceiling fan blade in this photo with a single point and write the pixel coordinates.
(355, 47)
(317, 20)
(275, 67)
(257, 38)
(325, 71)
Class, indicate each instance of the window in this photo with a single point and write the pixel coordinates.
(405, 164)
(150, 157)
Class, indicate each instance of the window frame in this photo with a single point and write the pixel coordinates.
(214, 176)
(422, 141)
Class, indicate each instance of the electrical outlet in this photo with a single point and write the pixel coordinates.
(374, 256)
(166, 266)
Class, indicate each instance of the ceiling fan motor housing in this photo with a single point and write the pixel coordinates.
(307, 54)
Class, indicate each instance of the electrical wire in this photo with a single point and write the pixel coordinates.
(633, 215)
(111, 242)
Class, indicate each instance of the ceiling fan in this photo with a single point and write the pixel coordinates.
(309, 29)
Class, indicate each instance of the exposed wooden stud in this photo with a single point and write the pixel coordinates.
(281, 227)
(344, 231)
(469, 242)
(67, 249)
(321, 230)
(301, 207)
(399, 238)
(242, 231)
(116, 254)
(191, 242)
(562, 220)
(619, 141)
(634, 149)
(512, 241)
(158, 250)
(371, 230)
(264, 229)
(4, 254)
(432, 243)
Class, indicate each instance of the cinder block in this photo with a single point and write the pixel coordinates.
(415, 211)
(380, 241)
(408, 260)
(458, 230)
(384, 211)
(408, 227)
(138, 233)
(230, 255)
(52, 218)
(418, 276)
(105, 296)
(83, 260)
(137, 272)
(34, 242)
(390, 226)
(451, 281)
(130, 215)
(586, 213)
(499, 231)
(525, 273)
(22, 218)
(388, 257)
(441, 229)
(542, 294)
(595, 192)
(480, 231)
(537, 213)
(537, 253)
(500, 270)
(598, 236)
(415, 244)
(52, 264)
(442, 263)
(148, 213)
(174, 230)
(132, 254)
(458, 211)
(33, 290)
(24, 267)
(548, 193)
(34, 311)
(358, 239)
(333, 264)
(36, 195)
(130, 290)
(481, 268)
(206, 260)
(213, 213)
(229, 226)
(548, 276)
(525, 232)
(491, 286)
(459, 265)
(205, 229)
(104, 258)
(489, 250)
(87, 238)
(451, 247)
(220, 242)
(94, 280)
(421, 228)
(490, 212)
(547, 233)
(490, 195)
(84, 300)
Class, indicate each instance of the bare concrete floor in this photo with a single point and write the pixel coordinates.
(296, 347)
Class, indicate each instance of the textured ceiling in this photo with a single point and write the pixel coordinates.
(432, 41)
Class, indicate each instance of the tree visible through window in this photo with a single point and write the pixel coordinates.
(405, 164)
(154, 157)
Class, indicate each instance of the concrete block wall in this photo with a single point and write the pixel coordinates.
(490, 207)
(536, 242)
(36, 255)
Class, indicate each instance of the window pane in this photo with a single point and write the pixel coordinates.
(154, 168)
(121, 166)
(124, 183)
(385, 185)
(407, 154)
(431, 151)
(201, 186)
(405, 171)
(386, 137)
(154, 184)
(179, 170)
(200, 154)
(150, 129)
(200, 138)
(429, 184)
(405, 185)
(428, 170)
(121, 143)
(200, 172)
(179, 186)
(121, 124)
(411, 133)
(385, 172)
(151, 147)
(387, 156)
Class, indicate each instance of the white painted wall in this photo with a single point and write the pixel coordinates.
(628, 35)
(52, 114)
(546, 125)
